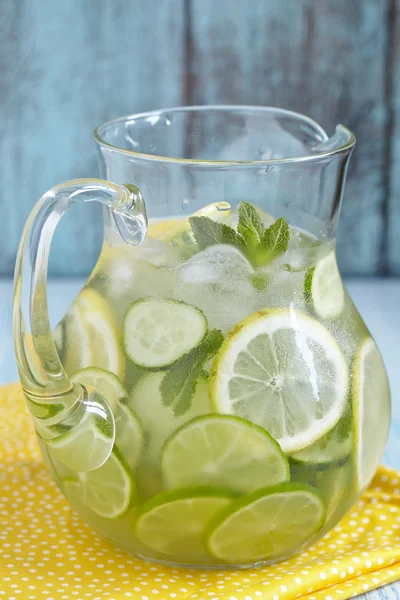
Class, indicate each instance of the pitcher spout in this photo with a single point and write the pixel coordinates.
(343, 140)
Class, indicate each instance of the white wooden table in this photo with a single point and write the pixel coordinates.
(377, 300)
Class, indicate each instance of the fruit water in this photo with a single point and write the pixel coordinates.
(251, 404)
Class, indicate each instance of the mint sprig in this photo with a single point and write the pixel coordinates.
(250, 226)
(208, 232)
(276, 237)
(259, 244)
(179, 384)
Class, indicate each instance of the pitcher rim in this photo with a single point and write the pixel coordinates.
(346, 147)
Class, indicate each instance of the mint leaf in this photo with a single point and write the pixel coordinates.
(179, 384)
(208, 232)
(250, 226)
(276, 237)
(260, 245)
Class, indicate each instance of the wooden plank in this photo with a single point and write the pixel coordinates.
(386, 592)
(325, 59)
(393, 216)
(66, 67)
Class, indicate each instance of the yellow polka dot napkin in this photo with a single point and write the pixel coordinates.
(48, 553)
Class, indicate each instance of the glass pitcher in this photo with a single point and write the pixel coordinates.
(212, 397)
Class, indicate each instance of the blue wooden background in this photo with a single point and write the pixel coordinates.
(66, 67)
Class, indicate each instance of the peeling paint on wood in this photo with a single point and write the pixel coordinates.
(393, 156)
(325, 59)
(67, 67)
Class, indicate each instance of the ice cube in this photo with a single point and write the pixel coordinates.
(215, 264)
(218, 281)
(128, 278)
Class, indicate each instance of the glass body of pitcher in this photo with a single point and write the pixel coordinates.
(212, 397)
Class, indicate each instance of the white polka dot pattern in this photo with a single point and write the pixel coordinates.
(48, 553)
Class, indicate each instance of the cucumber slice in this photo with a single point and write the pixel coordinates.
(157, 332)
(158, 420)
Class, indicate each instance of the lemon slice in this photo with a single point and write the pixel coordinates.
(102, 330)
(178, 231)
(283, 371)
(72, 340)
(268, 524)
(371, 410)
(89, 335)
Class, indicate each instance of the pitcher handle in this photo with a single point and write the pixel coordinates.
(56, 404)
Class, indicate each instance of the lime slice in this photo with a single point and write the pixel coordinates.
(174, 522)
(129, 435)
(331, 449)
(49, 461)
(84, 446)
(178, 231)
(269, 524)
(323, 287)
(56, 468)
(371, 410)
(157, 332)
(283, 371)
(104, 382)
(44, 410)
(334, 485)
(337, 492)
(73, 490)
(223, 451)
(109, 491)
(158, 421)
